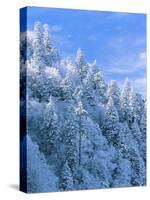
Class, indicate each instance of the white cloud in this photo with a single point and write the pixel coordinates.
(140, 85)
(55, 28)
(128, 64)
(119, 70)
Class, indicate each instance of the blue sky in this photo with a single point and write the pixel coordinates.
(116, 40)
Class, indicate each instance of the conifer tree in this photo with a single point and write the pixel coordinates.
(82, 67)
(49, 132)
(124, 101)
(47, 45)
(51, 54)
(66, 180)
(111, 123)
(82, 130)
(114, 92)
(100, 86)
(38, 47)
(143, 128)
(71, 138)
(66, 88)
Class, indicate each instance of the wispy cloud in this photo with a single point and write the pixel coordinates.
(128, 64)
(140, 85)
(56, 28)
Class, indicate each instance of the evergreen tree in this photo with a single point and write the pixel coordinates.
(71, 138)
(82, 130)
(132, 154)
(48, 45)
(121, 174)
(100, 86)
(114, 92)
(138, 176)
(82, 67)
(111, 123)
(140, 107)
(88, 90)
(124, 101)
(132, 115)
(38, 47)
(66, 89)
(137, 135)
(51, 54)
(66, 180)
(49, 132)
(143, 128)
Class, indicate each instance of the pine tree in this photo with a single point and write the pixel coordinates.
(132, 114)
(111, 123)
(51, 53)
(143, 128)
(71, 138)
(38, 47)
(131, 152)
(47, 45)
(139, 107)
(121, 174)
(49, 132)
(137, 135)
(124, 101)
(82, 130)
(88, 90)
(138, 176)
(100, 86)
(81, 65)
(66, 180)
(66, 89)
(114, 92)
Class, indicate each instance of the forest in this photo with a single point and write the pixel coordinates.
(82, 132)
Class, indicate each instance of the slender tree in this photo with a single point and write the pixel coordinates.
(66, 180)
(124, 101)
(49, 132)
(114, 92)
(111, 123)
(100, 85)
(82, 131)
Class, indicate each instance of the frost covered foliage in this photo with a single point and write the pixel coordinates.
(82, 132)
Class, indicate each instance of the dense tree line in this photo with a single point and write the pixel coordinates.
(82, 132)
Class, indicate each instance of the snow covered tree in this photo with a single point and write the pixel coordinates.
(131, 152)
(71, 138)
(121, 174)
(49, 132)
(66, 180)
(114, 92)
(47, 45)
(66, 89)
(100, 86)
(138, 176)
(82, 67)
(82, 128)
(143, 128)
(39, 176)
(111, 123)
(140, 106)
(124, 101)
(132, 114)
(51, 53)
(137, 135)
(88, 91)
(38, 47)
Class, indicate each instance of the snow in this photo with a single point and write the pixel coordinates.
(82, 133)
